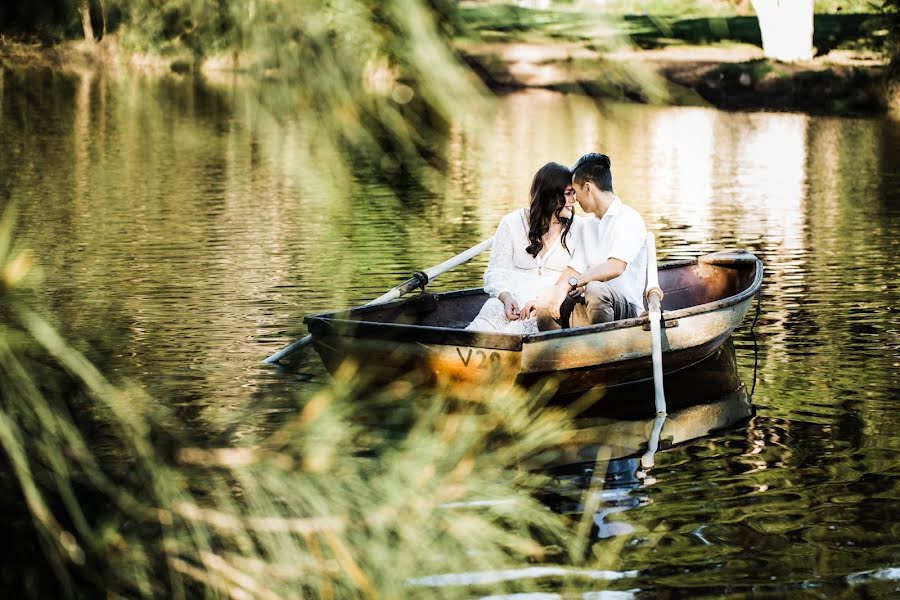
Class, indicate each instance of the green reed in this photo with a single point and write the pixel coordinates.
(334, 503)
(359, 493)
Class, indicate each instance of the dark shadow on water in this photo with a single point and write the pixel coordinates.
(703, 383)
(610, 458)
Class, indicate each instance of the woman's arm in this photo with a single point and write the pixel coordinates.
(499, 269)
(496, 276)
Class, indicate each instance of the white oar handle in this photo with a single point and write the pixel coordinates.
(436, 270)
(459, 259)
(652, 271)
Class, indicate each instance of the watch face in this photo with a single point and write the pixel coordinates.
(573, 281)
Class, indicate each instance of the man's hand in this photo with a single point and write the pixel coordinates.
(529, 308)
(560, 291)
(510, 306)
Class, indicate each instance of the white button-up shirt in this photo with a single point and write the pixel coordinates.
(620, 234)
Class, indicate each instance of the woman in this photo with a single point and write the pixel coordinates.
(531, 249)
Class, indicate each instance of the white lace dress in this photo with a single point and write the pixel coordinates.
(512, 269)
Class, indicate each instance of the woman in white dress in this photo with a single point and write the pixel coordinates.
(531, 248)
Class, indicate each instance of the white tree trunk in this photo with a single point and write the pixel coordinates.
(104, 13)
(786, 27)
(85, 11)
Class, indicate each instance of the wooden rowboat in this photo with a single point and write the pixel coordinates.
(705, 301)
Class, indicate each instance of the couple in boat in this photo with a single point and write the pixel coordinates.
(550, 269)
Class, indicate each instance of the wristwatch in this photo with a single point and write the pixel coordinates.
(573, 282)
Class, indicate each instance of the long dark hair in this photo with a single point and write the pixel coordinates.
(547, 199)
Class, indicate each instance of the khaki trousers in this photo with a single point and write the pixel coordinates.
(601, 305)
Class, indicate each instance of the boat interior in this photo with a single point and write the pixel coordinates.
(685, 284)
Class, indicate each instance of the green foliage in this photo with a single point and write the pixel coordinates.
(503, 22)
(656, 26)
(333, 504)
(699, 8)
(380, 76)
(847, 6)
(682, 8)
(50, 21)
(892, 14)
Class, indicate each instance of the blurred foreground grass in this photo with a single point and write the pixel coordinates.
(357, 495)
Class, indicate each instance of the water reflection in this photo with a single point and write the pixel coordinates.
(603, 467)
(182, 234)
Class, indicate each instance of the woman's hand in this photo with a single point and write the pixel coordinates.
(544, 299)
(529, 308)
(511, 306)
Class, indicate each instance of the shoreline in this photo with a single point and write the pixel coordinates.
(733, 77)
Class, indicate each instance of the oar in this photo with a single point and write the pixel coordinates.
(647, 460)
(420, 279)
(654, 296)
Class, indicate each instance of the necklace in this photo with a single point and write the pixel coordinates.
(548, 249)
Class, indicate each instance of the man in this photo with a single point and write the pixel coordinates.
(606, 277)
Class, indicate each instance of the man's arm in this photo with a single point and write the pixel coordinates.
(611, 269)
(557, 294)
(563, 280)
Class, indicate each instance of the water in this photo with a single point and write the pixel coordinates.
(182, 235)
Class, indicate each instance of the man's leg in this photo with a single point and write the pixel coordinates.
(545, 322)
(602, 305)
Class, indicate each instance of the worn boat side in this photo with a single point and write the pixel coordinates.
(426, 332)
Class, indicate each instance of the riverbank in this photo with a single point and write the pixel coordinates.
(734, 77)
(78, 55)
(714, 60)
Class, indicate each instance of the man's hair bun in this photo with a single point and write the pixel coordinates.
(594, 167)
(592, 158)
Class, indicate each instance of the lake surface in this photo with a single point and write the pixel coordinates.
(182, 235)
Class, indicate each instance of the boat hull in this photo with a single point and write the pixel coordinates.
(603, 358)
(398, 340)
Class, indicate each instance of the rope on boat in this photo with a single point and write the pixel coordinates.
(753, 335)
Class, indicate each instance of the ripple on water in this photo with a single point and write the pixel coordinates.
(186, 258)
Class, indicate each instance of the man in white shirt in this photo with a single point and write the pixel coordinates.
(608, 269)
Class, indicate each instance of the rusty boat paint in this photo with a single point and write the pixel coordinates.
(705, 300)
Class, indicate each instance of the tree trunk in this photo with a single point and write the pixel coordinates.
(85, 10)
(104, 12)
(786, 27)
